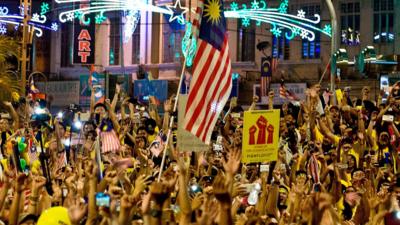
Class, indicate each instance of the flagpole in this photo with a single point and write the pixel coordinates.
(323, 74)
(171, 122)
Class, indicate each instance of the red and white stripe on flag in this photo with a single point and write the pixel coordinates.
(210, 86)
(110, 142)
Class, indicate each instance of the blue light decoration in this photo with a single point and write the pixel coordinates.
(189, 45)
(282, 22)
(132, 19)
(38, 21)
(45, 8)
(100, 18)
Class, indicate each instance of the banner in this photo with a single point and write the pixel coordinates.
(185, 140)
(62, 93)
(299, 89)
(98, 81)
(84, 39)
(260, 136)
(144, 88)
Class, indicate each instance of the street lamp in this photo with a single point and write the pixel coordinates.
(334, 43)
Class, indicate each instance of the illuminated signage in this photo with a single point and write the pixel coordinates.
(84, 39)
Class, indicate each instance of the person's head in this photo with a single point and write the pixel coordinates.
(352, 163)
(89, 126)
(141, 142)
(301, 177)
(346, 92)
(283, 194)
(150, 125)
(365, 92)
(101, 110)
(28, 219)
(384, 139)
(317, 88)
(142, 131)
(4, 124)
(347, 144)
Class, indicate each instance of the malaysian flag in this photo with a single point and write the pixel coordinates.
(211, 84)
(284, 93)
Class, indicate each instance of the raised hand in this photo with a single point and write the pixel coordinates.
(221, 190)
(168, 105)
(197, 201)
(20, 182)
(38, 182)
(238, 190)
(231, 165)
(140, 185)
(255, 98)
(76, 211)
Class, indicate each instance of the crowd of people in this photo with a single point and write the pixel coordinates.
(337, 164)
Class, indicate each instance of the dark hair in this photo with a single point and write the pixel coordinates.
(141, 128)
(100, 105)
(299, 172)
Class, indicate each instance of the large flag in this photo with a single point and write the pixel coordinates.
(211, 83)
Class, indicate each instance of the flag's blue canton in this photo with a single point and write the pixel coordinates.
(213, 33)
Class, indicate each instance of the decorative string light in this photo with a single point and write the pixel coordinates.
(282, 22)
(38, 20)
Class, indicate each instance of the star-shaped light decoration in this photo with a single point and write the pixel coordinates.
(45, 8)
(328, 29)
(245, 22)
(100, 18)
(304, 34)
(283, 6)
(35, 17)
(70, 16)
(78, 14)
(276, 31)
(234, 6)
(255, 5)
(296, 31)
(177, 12)
(3, 29)
(301, 13)
(54, 26)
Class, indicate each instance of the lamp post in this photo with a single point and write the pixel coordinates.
(25, 39)
(334, 41)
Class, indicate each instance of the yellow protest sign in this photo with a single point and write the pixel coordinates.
(260, 136)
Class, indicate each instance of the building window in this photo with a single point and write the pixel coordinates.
(172, 41)
(115, 40)
(383, 21)
(281, 47)
(66, 44)
(350, 23)
(246, 43)
(311, 49)
(136, 45)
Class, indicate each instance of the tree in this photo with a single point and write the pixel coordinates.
(9, 48)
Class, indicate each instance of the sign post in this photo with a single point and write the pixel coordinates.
(84, 40)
